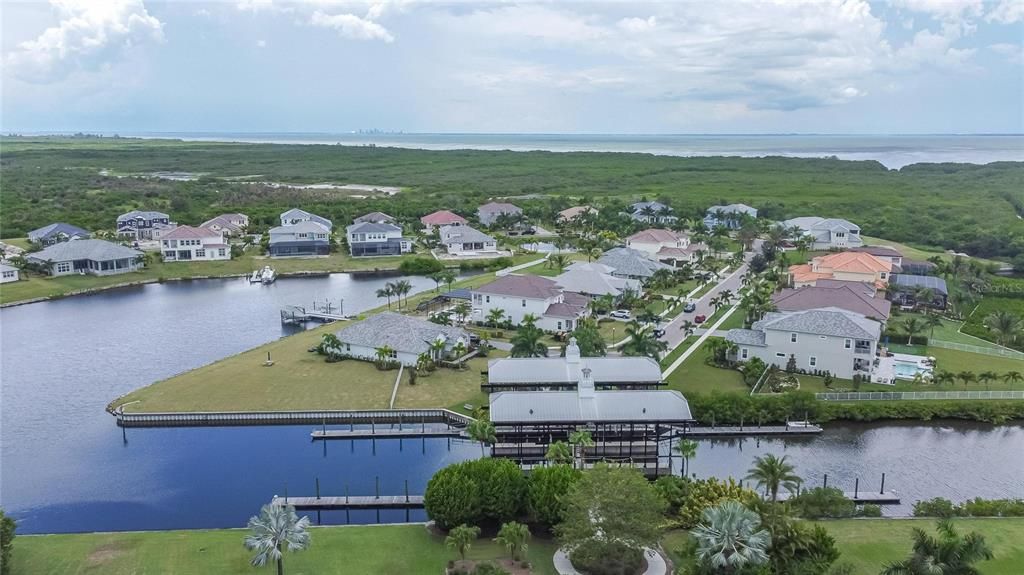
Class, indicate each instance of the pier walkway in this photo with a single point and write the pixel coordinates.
(352, 502)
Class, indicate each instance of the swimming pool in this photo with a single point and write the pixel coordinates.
(908, 366)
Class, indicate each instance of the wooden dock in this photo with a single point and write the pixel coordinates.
(352, 502)
(378, 417)
(753, 430)
(650, 468)
(386, 433)
(885, 498)
(300, 314)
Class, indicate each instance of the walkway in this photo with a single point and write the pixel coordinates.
(655, 563)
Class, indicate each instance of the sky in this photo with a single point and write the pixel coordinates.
(728, 66)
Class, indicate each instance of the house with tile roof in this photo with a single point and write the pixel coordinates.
(464, 241)
(188, 244)
(730, 216)
(227, 224)
(857, 297)
(376, 239)
(666, 246)
(407, 337)
(144, 225)
(440, 219)
(95, 257)
(827, 233)
(489, 213)
(883, 252)
(569, 214)
(521, 295)
(830, 339)
(846, 266)
(56, 233)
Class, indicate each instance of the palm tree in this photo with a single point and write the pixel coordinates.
(402, 289)
(961, 301)
(423, 363)
(730, 537)
(437, 348)
(941, 377)
(642, 342)
(594, 253)
(1012, 377)
(438, 278)
(387, 292)
(687, 449)
(276, 527)
(948, 554)
(384, 353)
(966, 377)
(495, 315)
(559, 452)
(329, 342)
(688, 327)
(558, 261)
(483, 431)
(987, 377)
(527, 342)
(932, 321)
(529, 320)
(461, 538)
(1005, 325)
(448, 277)
(513, 537)
(462, 310)
(772, 472)
(579, 440)
(911, 326)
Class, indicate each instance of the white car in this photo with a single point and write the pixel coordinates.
(621, 314)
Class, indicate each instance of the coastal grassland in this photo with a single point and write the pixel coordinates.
(967, 207)
(377, 549)
(869, 544)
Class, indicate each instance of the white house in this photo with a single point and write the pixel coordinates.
(830, 339)
(652, 213)
(8, 274)
(666, 246)
(489, 213)
(730, 216)
(369, 238)
(521, 295)
(95, 257)
(186, 244)
(466, 241)
(827, 233)
(296, 216)
(407, 337)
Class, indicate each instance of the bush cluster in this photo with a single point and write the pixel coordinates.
(977, 507)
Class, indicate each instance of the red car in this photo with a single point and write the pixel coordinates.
(699, 319)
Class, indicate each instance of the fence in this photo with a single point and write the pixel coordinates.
(993, 351)
(913, 395)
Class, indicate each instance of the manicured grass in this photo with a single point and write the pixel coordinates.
(957, 361)
(686, 287)
(446, 386)
(695, 376)
(948, 331)
(734, 321)
(382, 550)
(869, 544)
(22, 243)
(678, 351)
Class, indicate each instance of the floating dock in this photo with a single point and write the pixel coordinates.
(386, 433)
(753, 430)
(886, 498)
(352, 502)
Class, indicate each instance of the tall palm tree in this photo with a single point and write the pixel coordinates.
(495, 315)
(528, 342)
(966, 377)
(579, 440)
(529, 320)
(730, 538)
(1005, 325)
(559, 452)
(384, 353)
(462, 310)
(513, 537)
(449, 278)
(642, 342)
(1012, 377)
(483, 431)
(558, 262)
(911, 326)
(387, 292)
(687, 449)
(932, 321)
(688, 327)
(948, 554)
(924, 297)
(987, 377)
(438, 278)
(402, 289)
(275, 529)
(461, 538)
(772, 472)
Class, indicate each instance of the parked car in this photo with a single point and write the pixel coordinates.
(689, 307)
(658, 332)
(700, 319)
(621, 314)
(474, 338)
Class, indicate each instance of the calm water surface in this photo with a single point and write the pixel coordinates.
(65, 466)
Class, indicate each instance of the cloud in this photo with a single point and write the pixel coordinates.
(351, 26)
(1014, 53)
(1007, 12)
(89, 36)
(261, 43)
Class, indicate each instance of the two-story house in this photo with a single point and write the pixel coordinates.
(376, 239)
(304, 238)
(652, 213)
(827, 233)
(840, 342)
(186, 244)
(666, 246)
(521, 295)
(374, 218)
(466, 241)
(730, 216)
(144, 225)
(489, 213)
(227, 224)
(295, 216)
(56, 233)
(845, 266)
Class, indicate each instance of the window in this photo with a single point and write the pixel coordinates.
(200, 253)
(743, 353)
(847, 343)
(780, 354)
(883, 275)
(63, 267)
(559, 326)
(488, 298)
(792, 338)
(812, 361)
(524, 303)
(221, 252)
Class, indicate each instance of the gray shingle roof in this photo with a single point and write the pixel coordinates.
(829, 321)
(371, 228)
(54, 229)
(630, 262)
(604, 370)
(462, 235)
(525, 286)
(399, 332)
(745, 337)
(374, 217)
(594, 282)
(499, 208)
(96, 250)
(606, 406)
(308, 226)
(733, 209)
(857, 297)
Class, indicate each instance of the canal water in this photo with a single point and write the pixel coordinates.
(65, 466)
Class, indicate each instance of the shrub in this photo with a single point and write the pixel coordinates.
(823, 502)
(7, 528)
(420, 266)
(489, 568)
(546, 489)
(475, 491)
(870, 510)
(606, 558)
(977, 507)
(704, 493)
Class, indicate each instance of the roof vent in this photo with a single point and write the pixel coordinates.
(531, 412)
(645, 410)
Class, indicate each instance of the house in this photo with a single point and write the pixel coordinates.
(296, 216)
(827, 233)
(227, 224)
(303, 238)
(463, 240)
(376, 239)
(666, 246)
(521, 295)
(915, 267)
(830, 339)
(375, 218)
(56, 233)
(514, 373)
(652, 213)
(8, 274)
(143, 225)
(440, 219)
(856, 297)
(569, 214)
(730, 216)
(489, 213)
(594, 279)
(846, 266)
(882, 252)
(185, 244)
(407, 338)
(631, 264)
(906, 289)
(96, 257)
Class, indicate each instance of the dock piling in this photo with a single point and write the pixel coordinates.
(318, 488)
(856, 486)
(881, 489)
(376, 480)
(824, 484)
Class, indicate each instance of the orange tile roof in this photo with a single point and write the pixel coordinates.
(802, 273)
(854, 262)
(654, 235)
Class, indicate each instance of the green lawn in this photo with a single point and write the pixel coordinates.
(916, 253)
(948, 331)
(381, 550)
(869, 544)
(695, 376)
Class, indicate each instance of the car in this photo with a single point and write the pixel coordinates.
(689, 307)
(700, 318)
(658, 333)
(621, 314)
(474, 338)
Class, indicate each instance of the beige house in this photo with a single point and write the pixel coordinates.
(665, 246)
(845, 266)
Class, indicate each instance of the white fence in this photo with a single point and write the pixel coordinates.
(993, 351)
(912, 395)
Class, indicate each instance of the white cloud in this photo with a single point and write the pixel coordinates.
(1014, 53)
(351, 26)
(261, 43)
(1007, 12)
(90, 36)
(638, 25)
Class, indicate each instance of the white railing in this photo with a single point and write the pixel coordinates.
(915, 395)
(993, 351)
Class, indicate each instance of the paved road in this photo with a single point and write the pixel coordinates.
(674, 335)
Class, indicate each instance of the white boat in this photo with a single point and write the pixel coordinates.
(256, 277)
(268, 275)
